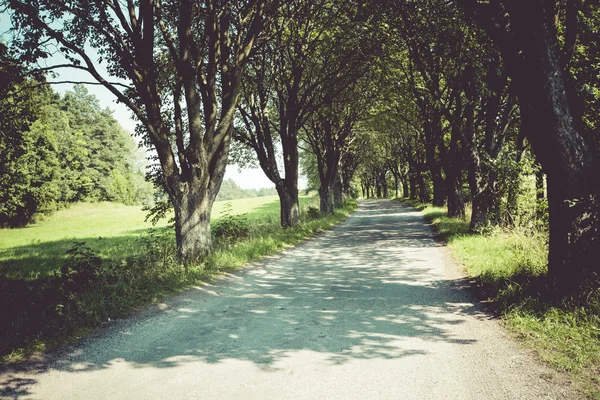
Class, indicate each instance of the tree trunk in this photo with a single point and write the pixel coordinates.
(338, 195)
(562, 151)
(423, 192)
(325, 200)
(479, 196)
(439, 194)
(456, 201)
(384, 186)
(412, 178)
(405, 191)
(192, 207)
(397, 185)
(289, 209)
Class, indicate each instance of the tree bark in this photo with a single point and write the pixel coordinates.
(456, 201)
(384, 185)
(338, 195)
(439, 193)
(405, 191)
(192, 223)
(412, 179)
(289, 210)
(325, 199)
(423, 192)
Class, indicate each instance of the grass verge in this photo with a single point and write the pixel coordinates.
(91, 291)
(509, 266)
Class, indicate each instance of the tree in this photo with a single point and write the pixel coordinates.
(176, 64)
(28, 157)
(527, 37)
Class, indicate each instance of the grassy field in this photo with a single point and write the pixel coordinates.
(125, 265)
(509, 266)
(110, 229)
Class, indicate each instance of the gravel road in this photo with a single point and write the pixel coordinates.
(374, 309)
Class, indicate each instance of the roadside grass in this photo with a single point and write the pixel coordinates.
(509, 267)
(45, 312)
(110, 229)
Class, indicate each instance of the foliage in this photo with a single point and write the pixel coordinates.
(313, 213)
(230, 228)
(58, 150)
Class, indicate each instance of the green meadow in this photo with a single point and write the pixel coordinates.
(112, 230)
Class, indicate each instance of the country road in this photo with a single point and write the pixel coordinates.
(374, 309)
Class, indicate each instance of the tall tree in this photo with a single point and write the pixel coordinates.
(177, 65)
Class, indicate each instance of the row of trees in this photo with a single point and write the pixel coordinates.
(55, 150)
(484, 96)
(439, 93)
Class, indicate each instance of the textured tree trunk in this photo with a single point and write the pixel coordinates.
(338, 195)
(192, 207)
(414, 189)
(480, 197)
(456, 201)
(405, 191)
(289, 209)
(384, 186)
(423, 192)
(530, 49)
(439, 193)
(325, 199)
(562, 151)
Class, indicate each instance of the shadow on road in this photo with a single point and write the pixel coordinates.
(359, 292)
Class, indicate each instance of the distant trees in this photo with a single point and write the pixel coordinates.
(231, 191)
(57, 150)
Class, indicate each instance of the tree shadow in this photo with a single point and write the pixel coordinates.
(371, 289)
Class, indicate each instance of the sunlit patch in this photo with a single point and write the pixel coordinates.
(187, 310)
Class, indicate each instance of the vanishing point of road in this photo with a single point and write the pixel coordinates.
(373, 309)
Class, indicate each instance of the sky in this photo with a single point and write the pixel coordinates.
(247, 178)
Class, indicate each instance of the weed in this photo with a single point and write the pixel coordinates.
(230, 227)
(313, 213)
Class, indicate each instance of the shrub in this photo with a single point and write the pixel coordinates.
(230, 228)
(312, 213)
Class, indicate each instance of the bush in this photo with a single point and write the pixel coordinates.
(312, 213)
(230, 228)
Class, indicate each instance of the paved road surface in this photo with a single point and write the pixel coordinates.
(371, 310)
